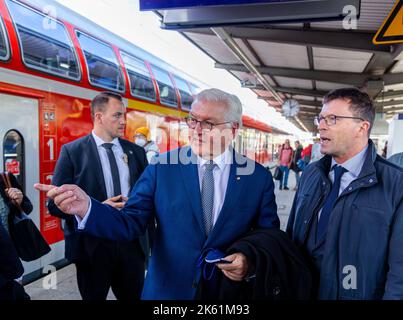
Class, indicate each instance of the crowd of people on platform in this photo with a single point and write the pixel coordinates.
(294, 159)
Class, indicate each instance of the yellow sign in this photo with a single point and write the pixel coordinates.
(391, 30)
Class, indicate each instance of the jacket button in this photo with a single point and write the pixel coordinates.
(370, 180)
(351, 188)
(305, 221)
(276, 291)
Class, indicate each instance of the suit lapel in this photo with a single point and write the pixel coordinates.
(95, 163)
(190, 177)
(232, 196)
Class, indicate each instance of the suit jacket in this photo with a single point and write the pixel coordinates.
(170, 192)
(79, 164)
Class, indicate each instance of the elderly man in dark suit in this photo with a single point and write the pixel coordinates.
(106, 167)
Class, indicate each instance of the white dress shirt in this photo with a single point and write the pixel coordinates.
(221, 175)
(124, 173)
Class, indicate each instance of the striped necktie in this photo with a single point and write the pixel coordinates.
(207, 195)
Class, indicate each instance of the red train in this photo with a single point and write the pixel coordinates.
(52, 63)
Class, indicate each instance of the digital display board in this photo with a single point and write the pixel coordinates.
(174, 4)
(202, 13)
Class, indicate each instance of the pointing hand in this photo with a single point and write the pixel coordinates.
(69, 198)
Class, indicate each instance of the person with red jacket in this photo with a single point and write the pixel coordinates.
(285, 158)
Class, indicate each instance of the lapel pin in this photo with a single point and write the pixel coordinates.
(131, 152)
(125, 159)
(238, 178)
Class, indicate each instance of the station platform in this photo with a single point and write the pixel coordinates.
(66, 284)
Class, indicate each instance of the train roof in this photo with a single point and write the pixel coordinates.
(84, 24)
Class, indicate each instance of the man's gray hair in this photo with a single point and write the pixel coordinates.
(232, 101)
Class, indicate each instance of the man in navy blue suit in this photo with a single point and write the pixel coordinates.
(203, 197)
(106, 167)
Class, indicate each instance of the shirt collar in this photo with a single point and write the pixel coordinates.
(99, 142)
(354, 165)
(221, 161)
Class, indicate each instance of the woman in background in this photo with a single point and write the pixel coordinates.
(11, 201)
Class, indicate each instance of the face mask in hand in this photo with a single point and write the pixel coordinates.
(140, 142)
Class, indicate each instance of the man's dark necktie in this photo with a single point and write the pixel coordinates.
(114, 168)
(330, 201)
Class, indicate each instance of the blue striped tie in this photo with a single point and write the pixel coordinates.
(207, 195)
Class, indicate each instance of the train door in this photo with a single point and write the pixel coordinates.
(19, 148)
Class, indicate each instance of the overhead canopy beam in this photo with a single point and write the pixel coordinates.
(297, 91)
(357, 41)
(390, 95)
(349, 78)
(355, 79)
(247, 63)
(305, 112)
(307, 103)
(310, 104)
(378, 64)
(393, 78)
(390, 103)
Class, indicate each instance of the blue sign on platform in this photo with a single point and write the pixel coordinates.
(175, 4)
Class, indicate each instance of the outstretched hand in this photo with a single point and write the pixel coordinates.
(69, 198)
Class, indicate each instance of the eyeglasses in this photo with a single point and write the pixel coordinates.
(331, 119)
(204, 125)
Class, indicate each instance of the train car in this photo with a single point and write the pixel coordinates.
(52, 63)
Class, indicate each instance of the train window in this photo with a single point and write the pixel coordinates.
(4, 48)
(13, 155)
(195, 89)
(141, 84)
(44, 42)
(184, 91)
(165, 86)
(102, 64)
